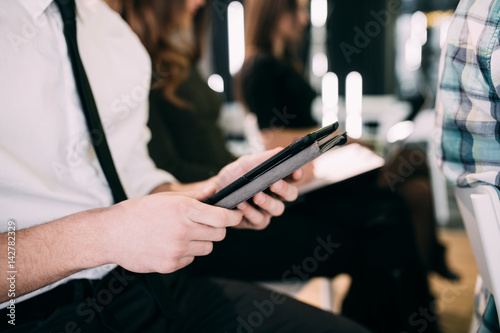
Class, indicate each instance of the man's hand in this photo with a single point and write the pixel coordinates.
(161, 232)
(164, 232)
(268, 205)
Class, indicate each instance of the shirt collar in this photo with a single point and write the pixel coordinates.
(35, 7)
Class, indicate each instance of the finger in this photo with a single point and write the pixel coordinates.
(266, 203)
(259, 158)
(183, 262)
(173, 265)
(199, 248)
(248, 162)
(285, 190)
(213, 216)
(256, 218)
(205, 193)
(298, 174)
(243, 165)
(202, 232)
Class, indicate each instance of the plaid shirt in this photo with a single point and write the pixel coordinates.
(468, 104)
(468, 112)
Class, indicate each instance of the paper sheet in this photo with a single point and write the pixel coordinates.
(340, 164)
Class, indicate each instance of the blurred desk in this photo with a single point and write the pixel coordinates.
(379, 115)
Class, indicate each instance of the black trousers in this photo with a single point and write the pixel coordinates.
(352, 228)
(128, 302)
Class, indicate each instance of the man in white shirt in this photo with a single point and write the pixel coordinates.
(61, 236)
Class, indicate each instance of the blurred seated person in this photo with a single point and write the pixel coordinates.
(272, 87)
(374, 245)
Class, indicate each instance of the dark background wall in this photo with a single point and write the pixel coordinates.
(220, 45)
(360, 37)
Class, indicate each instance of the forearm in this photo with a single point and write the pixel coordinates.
(179, 187)
(49, 252)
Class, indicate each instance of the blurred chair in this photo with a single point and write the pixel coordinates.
(252, 133)
(480, 210)
(439, 186)
(424, 120)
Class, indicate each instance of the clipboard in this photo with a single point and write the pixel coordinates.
(278, 166)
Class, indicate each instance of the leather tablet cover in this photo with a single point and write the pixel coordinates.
(270, 177)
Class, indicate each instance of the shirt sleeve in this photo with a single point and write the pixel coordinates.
(468, 103)
(495, 67)
(139, 174)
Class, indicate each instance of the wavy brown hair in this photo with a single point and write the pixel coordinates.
(261, 17)
(157, 23)
(260, 20)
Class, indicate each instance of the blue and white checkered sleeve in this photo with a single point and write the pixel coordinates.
(468, 145)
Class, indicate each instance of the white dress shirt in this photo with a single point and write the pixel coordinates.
(48, 168)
